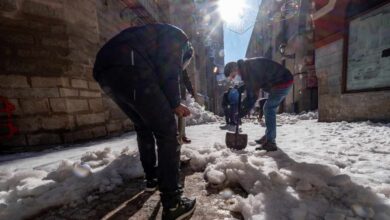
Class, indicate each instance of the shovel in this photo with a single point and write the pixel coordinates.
(236, 140)
(181, 129)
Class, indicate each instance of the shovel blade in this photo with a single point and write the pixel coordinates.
(236, 141)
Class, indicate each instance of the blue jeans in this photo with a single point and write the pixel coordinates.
(275, 97)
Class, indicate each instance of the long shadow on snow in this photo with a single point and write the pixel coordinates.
(329, 193)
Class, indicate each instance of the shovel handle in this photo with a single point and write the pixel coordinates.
(181, 129)
(238, 112)
(238, 119)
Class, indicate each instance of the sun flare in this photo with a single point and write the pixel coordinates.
(231, 10)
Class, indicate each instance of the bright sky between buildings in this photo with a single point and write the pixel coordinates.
(231, 12)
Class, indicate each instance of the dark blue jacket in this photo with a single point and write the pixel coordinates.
(261, 73)
(152, 47)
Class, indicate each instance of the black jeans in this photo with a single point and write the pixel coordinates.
(226, 111)
(233, 114)
(137, 93)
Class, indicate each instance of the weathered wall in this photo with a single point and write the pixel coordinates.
(337, 106)
(47, 53)
(195, 20)
(179, 16)
(297, 34)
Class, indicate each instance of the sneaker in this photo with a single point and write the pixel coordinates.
(151, 185)
(183, 210)
(269, 146)
(224, 127)
(262, 140)
(186, 140)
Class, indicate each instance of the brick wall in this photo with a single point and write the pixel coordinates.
(47, 53)
(337, 106)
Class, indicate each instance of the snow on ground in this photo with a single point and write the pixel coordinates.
(49, 160)
(35, 181)
(325, 171)
(38, 180)
(198, 113)
(36, 190)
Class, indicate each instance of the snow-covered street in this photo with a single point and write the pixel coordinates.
(321, 171)
(89, 89)
(49, 160)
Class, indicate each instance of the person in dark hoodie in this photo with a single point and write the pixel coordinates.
(261, 73)
(139, 69)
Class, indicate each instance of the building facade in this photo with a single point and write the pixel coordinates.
(283, 32)
(209, 28)
(47, 55)
(201, 21)
(352, 44)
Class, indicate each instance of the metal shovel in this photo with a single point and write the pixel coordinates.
(181, 129)
(236, 140)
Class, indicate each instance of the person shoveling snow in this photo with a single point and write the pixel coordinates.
(261, 73)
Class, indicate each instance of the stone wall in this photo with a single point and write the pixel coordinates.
(197, 68)
(334, 105)
(297, 35)
(47, 55)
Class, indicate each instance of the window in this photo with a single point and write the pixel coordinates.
(368, 48)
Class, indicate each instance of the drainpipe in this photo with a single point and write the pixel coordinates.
(284, 40)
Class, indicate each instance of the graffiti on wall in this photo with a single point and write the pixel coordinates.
(7, 127)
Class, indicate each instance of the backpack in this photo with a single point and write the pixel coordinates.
(233, 96)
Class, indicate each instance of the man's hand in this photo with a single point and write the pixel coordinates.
(182, 111)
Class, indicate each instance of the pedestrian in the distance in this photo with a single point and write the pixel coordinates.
(139, 69)
(261, 73)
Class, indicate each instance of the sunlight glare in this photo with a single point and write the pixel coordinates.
(231, 10)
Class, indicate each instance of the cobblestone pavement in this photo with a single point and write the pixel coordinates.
(131, 202)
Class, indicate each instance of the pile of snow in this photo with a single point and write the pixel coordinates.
(326, 171)
(308, 115)
(287, 118)
(26, 193)
(330, 171)
(279, 187)
(198, 113)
